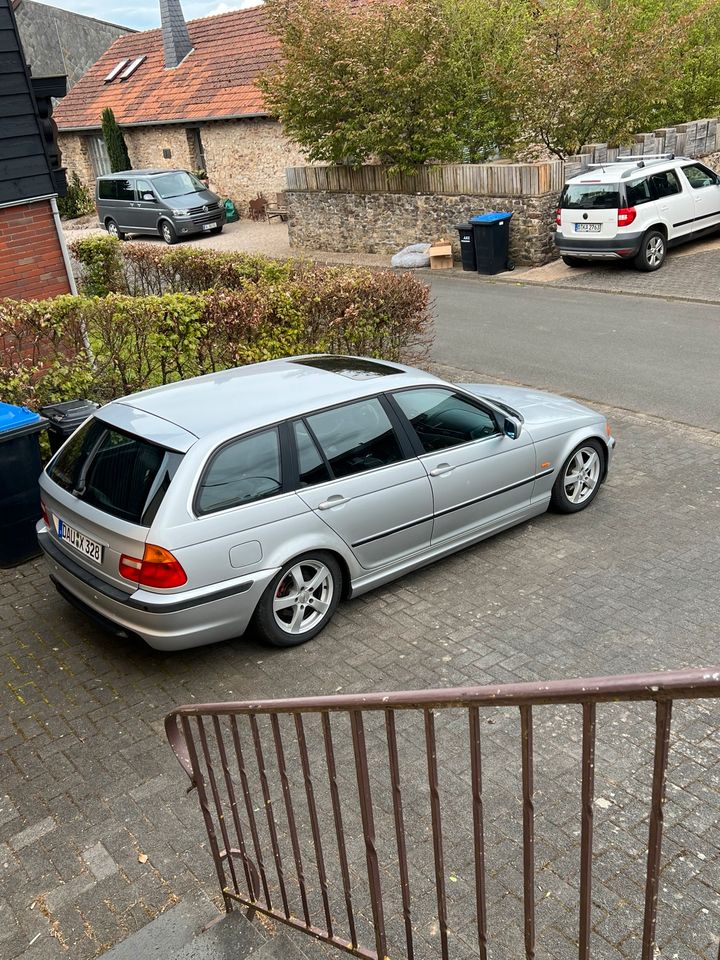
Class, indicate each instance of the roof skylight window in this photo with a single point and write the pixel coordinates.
(132, 68)
(116, 70)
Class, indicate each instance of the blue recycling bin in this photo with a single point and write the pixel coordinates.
(20, 468)
(492, 239)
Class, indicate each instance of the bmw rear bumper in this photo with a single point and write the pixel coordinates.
(621, 247)
(164, 621)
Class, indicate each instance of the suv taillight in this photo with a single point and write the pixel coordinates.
(626, 215)
(558, 216)
(158, 568)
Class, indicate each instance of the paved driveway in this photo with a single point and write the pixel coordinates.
(87, 783)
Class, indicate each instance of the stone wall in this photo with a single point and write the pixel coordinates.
(385, 222)
(242, 157)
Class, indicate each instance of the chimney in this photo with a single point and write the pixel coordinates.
(176, 39)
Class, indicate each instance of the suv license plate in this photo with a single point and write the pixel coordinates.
(90, 548)
(209, 226)
(588, 227)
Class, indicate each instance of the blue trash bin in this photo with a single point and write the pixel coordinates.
(20, 468)
(492, 240)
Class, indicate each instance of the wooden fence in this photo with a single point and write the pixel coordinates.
(451, 179)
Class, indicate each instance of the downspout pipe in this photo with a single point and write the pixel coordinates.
(70, 275)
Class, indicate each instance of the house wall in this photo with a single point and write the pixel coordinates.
(242, 157)
(31, 261)
(60, 43)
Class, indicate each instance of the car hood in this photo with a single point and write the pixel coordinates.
(536, 407)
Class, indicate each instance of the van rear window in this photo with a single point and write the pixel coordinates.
(590, 196)
(117, 472)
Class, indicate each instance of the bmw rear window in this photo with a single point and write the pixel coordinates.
(117, 472)
(591, 196)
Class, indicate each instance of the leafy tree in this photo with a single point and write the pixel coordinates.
(593, 71)
(115, 142)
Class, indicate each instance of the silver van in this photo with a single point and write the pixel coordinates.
(171, 203)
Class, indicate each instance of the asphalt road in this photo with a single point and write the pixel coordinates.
(648, 355)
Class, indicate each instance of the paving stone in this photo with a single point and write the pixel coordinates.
(100, 862)
(32, 834)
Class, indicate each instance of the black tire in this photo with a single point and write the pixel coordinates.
(652, 253)
(267, 620)
(167, 232)
(574, 261)
(114, 230)
(560, 500)
(510, 265)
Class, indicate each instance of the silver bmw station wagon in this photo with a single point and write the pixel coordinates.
(262, 495)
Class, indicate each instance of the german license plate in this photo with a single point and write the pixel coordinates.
(209, 226)
(588, 227)
(86, 546)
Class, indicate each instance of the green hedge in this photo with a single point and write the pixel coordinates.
(144, 341)
(144, 269)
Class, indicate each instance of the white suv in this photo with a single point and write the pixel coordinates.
(636, 208)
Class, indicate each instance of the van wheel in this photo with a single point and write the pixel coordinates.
(114, 230)
(300, 600)
(574, 262)
(651, 255)
(167, 232)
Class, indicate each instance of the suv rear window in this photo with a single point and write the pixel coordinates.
(117, 472)
(589, 196)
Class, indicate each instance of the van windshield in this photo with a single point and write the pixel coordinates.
(598, 196)
(117, 472)
(170, 185)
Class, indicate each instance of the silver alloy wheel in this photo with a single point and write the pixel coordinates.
(582, 475)
(167, 232)
(112, 229)
(655, 251)
(303, 597)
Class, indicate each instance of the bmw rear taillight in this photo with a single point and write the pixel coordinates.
(157, 568)
(626, 215)
(45, 514)
(558, 216)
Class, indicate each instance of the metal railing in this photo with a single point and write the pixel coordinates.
(240, 801)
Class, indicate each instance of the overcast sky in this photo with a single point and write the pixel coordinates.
(143, 14)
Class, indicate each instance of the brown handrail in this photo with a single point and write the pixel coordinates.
(215, 767)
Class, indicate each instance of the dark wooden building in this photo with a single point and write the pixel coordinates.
(33, 257)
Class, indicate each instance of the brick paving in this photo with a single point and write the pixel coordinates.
(689, 273)
(88, 784)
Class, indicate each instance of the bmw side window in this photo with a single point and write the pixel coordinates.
(356, 437)
(311, 466)
(241, 472)
(443, 419)
(699, 176)
(638, 191)
(665, 184)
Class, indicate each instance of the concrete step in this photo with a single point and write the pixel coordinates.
(182, 933)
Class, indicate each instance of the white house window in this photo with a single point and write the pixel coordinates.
(98, 156)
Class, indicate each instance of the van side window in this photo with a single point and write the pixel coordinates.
(665, 184)
(638, 191)
(125, 190)
(106, 189)
(142, 186)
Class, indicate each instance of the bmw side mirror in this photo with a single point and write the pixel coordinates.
(512, 428)
(148, 196)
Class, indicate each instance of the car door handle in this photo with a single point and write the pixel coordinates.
(441, 469)
(334, 501)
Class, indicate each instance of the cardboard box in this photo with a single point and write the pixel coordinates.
(441, 255)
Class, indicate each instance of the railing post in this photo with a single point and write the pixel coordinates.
(528, 830)
(586, 836)
(436, 830)
(478, 832)
(663, 713)
(368, 823)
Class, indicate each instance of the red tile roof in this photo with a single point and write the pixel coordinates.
(215, 81)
